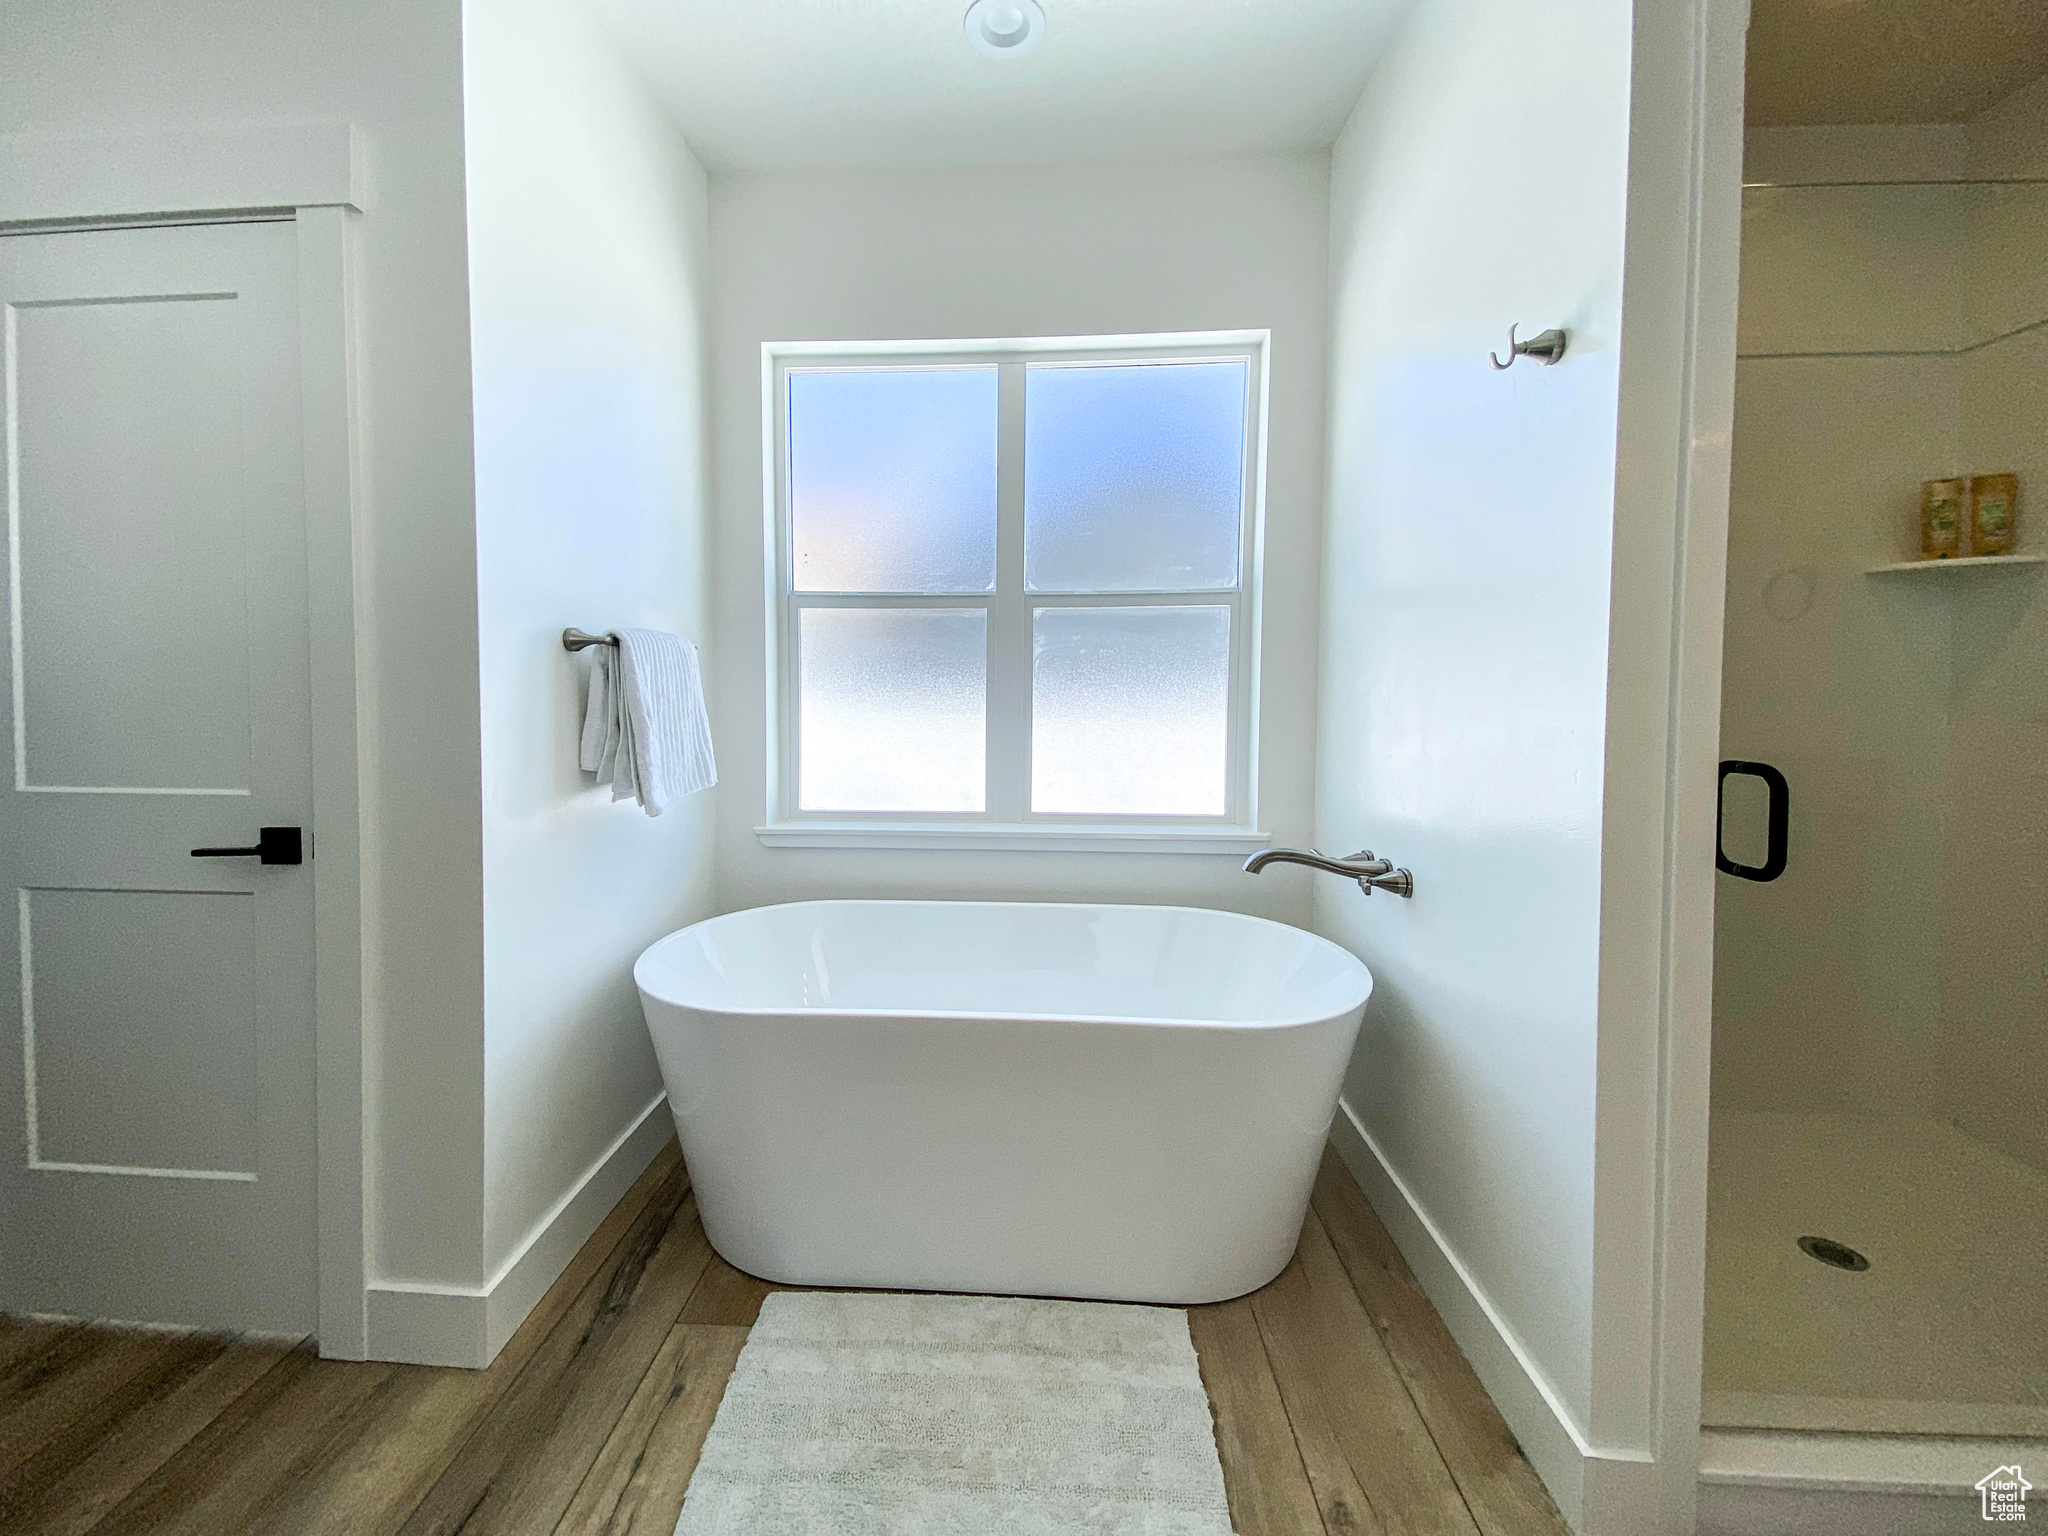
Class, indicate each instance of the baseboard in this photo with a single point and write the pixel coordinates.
(1596, 1489)
(425, 1324)
(429, 1324)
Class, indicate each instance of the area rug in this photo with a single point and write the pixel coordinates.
(855, 1414)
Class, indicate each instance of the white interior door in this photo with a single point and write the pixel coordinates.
(158, 1056)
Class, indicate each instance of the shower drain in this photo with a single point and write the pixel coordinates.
(1828, 1251)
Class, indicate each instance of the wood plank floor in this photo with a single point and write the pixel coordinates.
(1343, 1408)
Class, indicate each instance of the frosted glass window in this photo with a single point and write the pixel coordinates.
(1133, 476)
(892, 479)
(890, 709)
(1130, 711)
(1012, 586)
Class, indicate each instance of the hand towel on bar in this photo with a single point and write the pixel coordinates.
(644, 726)
(604, 727)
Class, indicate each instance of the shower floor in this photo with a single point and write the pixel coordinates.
(1945, 1333)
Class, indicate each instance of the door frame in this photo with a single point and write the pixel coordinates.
(313, 175)
(1684, 243)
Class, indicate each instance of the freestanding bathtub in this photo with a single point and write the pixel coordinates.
(1116, 1102)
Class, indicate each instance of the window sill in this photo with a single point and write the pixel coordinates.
(989, 837)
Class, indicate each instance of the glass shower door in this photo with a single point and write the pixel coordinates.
(1878, 1227)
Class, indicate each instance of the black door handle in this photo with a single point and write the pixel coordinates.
(274, 845)
(1779, 826)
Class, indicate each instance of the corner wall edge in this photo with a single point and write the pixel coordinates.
(427, 1323)
(1581, 1477)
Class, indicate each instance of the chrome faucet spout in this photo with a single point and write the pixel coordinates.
(1371, 873)
(1357, 865)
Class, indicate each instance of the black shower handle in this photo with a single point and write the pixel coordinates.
(1780, 822)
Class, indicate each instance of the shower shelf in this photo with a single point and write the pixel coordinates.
(1973, 562)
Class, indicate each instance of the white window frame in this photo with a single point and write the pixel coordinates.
(1008, 821)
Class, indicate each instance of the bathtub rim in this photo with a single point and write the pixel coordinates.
(1009, 1015)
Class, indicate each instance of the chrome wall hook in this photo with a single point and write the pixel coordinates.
(1546, 348)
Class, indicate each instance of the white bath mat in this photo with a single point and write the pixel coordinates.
(883, 1415)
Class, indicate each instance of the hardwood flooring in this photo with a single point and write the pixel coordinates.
(1342, 1406)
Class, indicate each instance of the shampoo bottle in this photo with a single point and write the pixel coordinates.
(1942, 509)
(1994, 513)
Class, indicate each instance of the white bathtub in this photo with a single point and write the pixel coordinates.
(1117, 1102)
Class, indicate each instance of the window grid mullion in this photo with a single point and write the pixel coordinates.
(1204, 597)
(891, 599)
(786, 748)
(1009, 618)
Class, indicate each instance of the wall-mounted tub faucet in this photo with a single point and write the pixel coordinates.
(1371, 873)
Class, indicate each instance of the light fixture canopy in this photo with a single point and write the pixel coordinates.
(1003, 29)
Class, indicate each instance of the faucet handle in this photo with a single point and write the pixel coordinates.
(1398, 881)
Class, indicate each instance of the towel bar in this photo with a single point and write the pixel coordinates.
(577, 640)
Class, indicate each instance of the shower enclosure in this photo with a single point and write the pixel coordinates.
(1878, 1227)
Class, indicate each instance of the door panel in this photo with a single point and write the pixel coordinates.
(156, 1073)
(123, 994)
(129, 543)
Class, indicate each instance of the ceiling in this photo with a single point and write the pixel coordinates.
(1890, 61)
(780, 84)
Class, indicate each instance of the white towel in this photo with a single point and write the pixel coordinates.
(603, 727)
(645, 731)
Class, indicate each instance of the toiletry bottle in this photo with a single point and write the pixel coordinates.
(1994, 513)
(1942, 508)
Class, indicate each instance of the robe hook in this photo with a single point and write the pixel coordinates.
(1546, 348)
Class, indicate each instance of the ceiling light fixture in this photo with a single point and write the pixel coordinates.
(1003, 29)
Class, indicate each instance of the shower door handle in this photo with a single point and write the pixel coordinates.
(1779, 824)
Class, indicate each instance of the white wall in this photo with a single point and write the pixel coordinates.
(1465, 601)
(588, 215)
(395, 72)
(587, 273)
(1994, 888)
(1521, 600)
(1995, 862)
(2010, 139)
(1052, 251)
